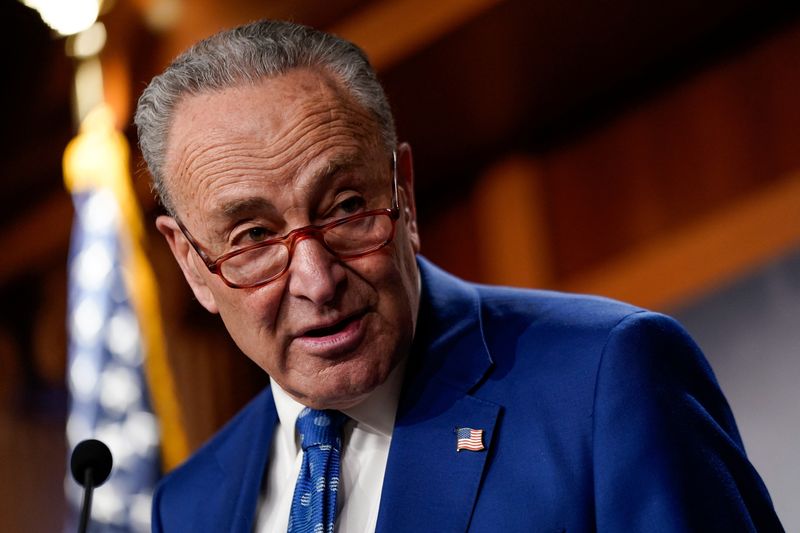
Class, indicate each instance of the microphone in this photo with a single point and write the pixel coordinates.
(90, 464)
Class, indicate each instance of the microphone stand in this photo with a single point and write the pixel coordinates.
(88, 490)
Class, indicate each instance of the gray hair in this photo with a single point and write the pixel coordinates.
(248, 54)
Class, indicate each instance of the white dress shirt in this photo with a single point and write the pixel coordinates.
(365, 449)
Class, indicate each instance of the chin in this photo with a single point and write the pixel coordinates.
(336, 403)
(345, 386)
(333, 399)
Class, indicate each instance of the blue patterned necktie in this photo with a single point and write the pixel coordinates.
(314, 503)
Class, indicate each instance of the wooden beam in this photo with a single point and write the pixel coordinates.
(703, 255)
(392, 30)
(512, 234)
(388, 30)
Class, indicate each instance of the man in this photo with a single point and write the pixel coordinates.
(446, 406)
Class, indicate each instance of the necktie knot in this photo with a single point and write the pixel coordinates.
(320, 428)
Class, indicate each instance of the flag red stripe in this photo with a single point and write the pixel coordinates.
(473, 443)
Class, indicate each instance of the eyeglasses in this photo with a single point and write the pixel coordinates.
(345, 238)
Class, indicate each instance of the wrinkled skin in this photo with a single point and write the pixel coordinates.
(257, 161)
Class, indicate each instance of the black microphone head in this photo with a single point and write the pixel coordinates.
(92, 454)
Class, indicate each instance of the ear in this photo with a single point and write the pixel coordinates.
(188, 261)
(405, 184)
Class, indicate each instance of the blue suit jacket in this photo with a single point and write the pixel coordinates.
(597, 416)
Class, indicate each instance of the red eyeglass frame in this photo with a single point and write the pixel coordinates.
(296, 235)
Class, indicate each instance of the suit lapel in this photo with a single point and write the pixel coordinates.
(428, 485)
(238, 471)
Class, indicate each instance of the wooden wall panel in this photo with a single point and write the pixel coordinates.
(511, 239)
(704, 147)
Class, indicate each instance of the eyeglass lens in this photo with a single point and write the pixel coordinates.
(347, 239)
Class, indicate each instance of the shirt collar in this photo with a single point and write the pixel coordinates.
(376, 413)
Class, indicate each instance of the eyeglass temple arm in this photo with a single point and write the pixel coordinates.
(395, 195)
(209, 263)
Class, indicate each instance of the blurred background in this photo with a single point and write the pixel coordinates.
(646, 151)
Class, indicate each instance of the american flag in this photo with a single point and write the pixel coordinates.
(109, 396)
(115, 332)
(469, 439)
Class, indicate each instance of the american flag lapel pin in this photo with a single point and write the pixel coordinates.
(469, 439)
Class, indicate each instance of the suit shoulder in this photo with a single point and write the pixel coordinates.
(569, 334)
(553, 308)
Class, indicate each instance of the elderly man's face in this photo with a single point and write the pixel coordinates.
(253, 162)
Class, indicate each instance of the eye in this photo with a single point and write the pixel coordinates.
(349, 206)
(252, 235)
(257, 234)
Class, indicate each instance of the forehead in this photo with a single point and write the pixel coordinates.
(228, 140)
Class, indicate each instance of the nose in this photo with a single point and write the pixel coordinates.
(314, 274)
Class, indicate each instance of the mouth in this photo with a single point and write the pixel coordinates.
(333, 339)
(333, 329)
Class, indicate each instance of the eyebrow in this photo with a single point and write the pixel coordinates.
(334, 166)
(244, 207)
(238, 209)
